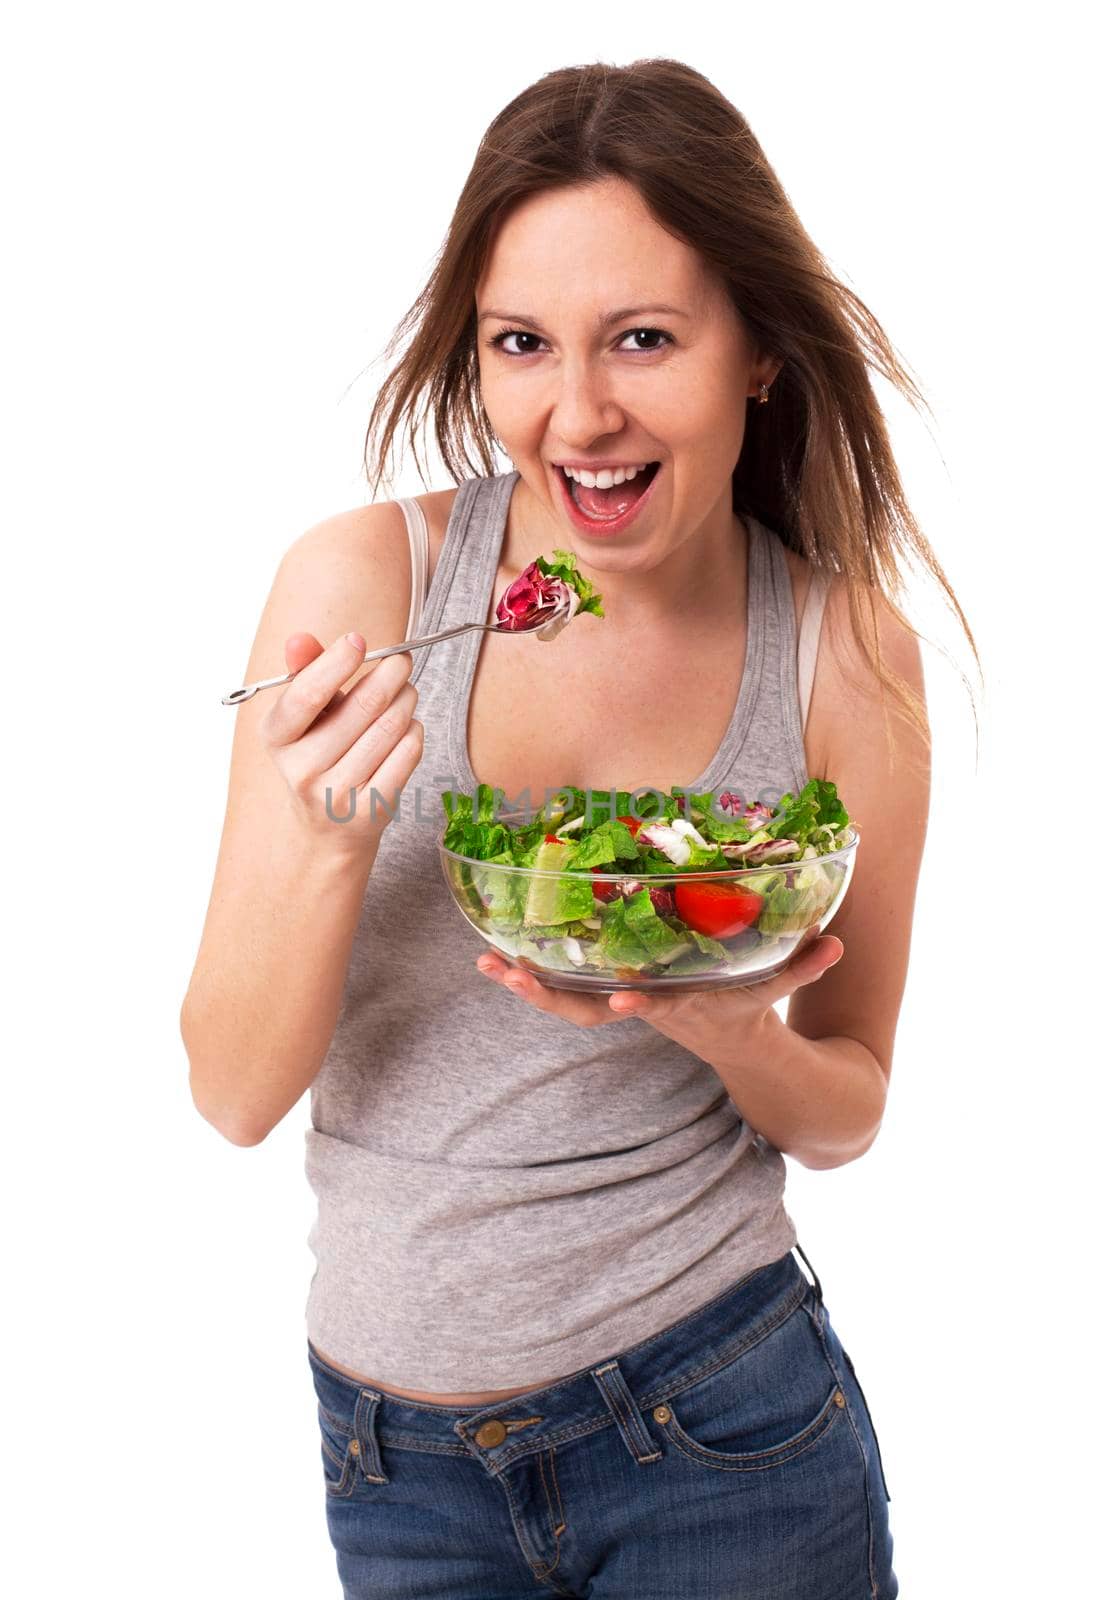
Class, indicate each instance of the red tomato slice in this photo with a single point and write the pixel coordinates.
(634, 824)
(717, 909)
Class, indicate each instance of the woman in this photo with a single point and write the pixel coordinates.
(558, 1335)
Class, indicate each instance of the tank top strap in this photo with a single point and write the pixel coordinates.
(760, 598)
(417, 530)
(765, 727)
(783, 698)
(464, 574)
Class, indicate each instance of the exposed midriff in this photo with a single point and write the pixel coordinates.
(488, 1397)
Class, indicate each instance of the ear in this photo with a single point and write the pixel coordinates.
(764, 371)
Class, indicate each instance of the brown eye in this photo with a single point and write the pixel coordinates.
(658, 332)
(499, 339)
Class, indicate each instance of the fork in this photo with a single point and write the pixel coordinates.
(538, 621)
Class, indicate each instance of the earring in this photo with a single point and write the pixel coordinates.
(763, 394)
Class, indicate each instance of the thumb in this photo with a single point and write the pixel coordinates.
(817, 957)
(811, 960)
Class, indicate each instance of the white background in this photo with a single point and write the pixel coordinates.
(215, 218)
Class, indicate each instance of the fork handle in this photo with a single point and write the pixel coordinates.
(430, 638)
(250, 689)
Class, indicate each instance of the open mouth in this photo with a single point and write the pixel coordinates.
(615, 505)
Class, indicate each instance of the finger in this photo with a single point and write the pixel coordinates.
(581, 1009)
(300, 649)
(682, 1009)
(809, 962)
(372, 722)
(395, 770)
(337, 724)
(653, 1006)
(312, 688)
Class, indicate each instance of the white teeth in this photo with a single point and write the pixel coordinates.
(606, 478)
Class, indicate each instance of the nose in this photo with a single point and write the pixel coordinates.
(584, 408)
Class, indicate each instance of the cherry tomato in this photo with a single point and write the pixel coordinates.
(717, 909)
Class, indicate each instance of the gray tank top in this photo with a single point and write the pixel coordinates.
(503, 1197)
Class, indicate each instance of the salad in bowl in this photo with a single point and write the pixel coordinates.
(604, 890)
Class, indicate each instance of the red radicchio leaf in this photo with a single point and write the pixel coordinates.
(528, 596)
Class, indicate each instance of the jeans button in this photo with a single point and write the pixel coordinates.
(490, 1434)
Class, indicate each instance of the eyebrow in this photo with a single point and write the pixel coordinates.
(607, 321)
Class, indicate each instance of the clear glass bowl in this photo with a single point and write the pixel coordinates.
(510, 906)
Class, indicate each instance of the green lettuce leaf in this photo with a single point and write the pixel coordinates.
(564, 565)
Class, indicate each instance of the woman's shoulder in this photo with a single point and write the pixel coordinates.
(357, 562)
(351, 569)
(365, 546)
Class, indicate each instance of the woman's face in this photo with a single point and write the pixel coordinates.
(565, 385)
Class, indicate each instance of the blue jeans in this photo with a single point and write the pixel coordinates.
(730, 1457)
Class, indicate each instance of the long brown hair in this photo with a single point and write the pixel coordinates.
(816, 463)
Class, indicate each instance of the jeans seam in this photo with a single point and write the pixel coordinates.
(706, 1370)
(873, 1588)
(539, 1569)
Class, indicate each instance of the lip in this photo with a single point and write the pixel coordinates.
(603, 530)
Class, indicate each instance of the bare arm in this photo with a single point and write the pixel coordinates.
(265, 992)
(860, 998)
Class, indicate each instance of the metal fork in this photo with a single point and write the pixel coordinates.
(251, 689)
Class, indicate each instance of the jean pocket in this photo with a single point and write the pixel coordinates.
(763, 1408)
(869, 1418)
(340, 1446)
(340, 1454)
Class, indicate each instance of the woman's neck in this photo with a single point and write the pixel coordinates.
(702, 579)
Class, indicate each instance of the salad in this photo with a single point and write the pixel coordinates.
(540, 588)
(601, 914)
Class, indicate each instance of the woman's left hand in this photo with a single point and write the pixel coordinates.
(704, 1021)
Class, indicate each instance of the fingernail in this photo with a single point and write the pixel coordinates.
(357, 640)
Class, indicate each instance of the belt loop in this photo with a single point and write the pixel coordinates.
(363, 1426)
(629, 1419)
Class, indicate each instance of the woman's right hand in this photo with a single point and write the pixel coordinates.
(323, 738)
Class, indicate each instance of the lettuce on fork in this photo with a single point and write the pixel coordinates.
(543, 586)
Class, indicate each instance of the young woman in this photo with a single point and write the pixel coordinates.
(558, 1335)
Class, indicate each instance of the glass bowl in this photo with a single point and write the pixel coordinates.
(555, 924)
